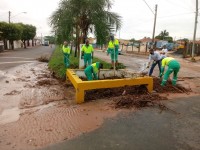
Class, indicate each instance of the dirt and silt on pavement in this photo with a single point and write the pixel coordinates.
(37, 110)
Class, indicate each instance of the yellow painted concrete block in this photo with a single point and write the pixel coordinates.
(81, 86)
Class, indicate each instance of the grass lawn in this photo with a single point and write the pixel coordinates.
(56, 63)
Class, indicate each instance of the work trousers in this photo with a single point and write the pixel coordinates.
(158, 62)
(174, 67)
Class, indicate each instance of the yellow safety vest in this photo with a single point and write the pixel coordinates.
(116, 42)
(166, 61)
(95, 67)
(66, 50)
(111, 44)
(87, 49)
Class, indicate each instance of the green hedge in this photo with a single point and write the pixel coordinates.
(56, 63)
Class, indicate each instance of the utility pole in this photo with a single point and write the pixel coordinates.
(154, 27)
(9, 14)
(195, 30)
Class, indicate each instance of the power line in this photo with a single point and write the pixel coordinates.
(177, 15)
(149, 7)
(162, 17)
(179, 4)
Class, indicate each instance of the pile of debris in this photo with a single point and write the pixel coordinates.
(135, 96)
(169, 88)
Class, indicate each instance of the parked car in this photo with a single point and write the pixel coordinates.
(170, 46)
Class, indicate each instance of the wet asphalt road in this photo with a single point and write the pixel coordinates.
(135, 63)
(146, 129)
(13, 58)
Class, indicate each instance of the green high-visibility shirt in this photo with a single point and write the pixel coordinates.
(166, 61)
(116, 42)
(95, 67)
(111, 44)
(66, 49)
(87, 49)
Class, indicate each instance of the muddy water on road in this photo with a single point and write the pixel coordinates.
(36, 110)
(29, 85)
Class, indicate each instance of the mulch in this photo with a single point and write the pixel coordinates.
(136, 96)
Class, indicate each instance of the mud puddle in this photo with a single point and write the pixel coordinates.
(9, 115)
(39, 110)
(26, 86)
(38, 128)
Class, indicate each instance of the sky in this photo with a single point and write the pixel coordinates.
(175, 16)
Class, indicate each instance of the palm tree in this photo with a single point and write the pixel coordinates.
(82, 16)
(164, 34)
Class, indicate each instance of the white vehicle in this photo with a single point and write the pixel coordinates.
(45, 43)
(119, 51)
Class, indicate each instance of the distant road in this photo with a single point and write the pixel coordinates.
(135, 63)
(13, 58)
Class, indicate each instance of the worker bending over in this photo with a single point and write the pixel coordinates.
(93, 70)
(87, 53)
(173, 66)
(155, 56)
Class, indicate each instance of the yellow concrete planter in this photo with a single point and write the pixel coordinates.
(129, 79)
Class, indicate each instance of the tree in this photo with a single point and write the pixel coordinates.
(28, 33)
(164, 35)
(32, 33)
(12, 32)
(15, 33)
(75, 17)
(51, 39)
(3, 27)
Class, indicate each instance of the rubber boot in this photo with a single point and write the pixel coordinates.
(173, 82)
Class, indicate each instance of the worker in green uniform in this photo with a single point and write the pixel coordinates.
(93, 71)
(66, 53)
(87, 53)
(173, 66)
(113, 47)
